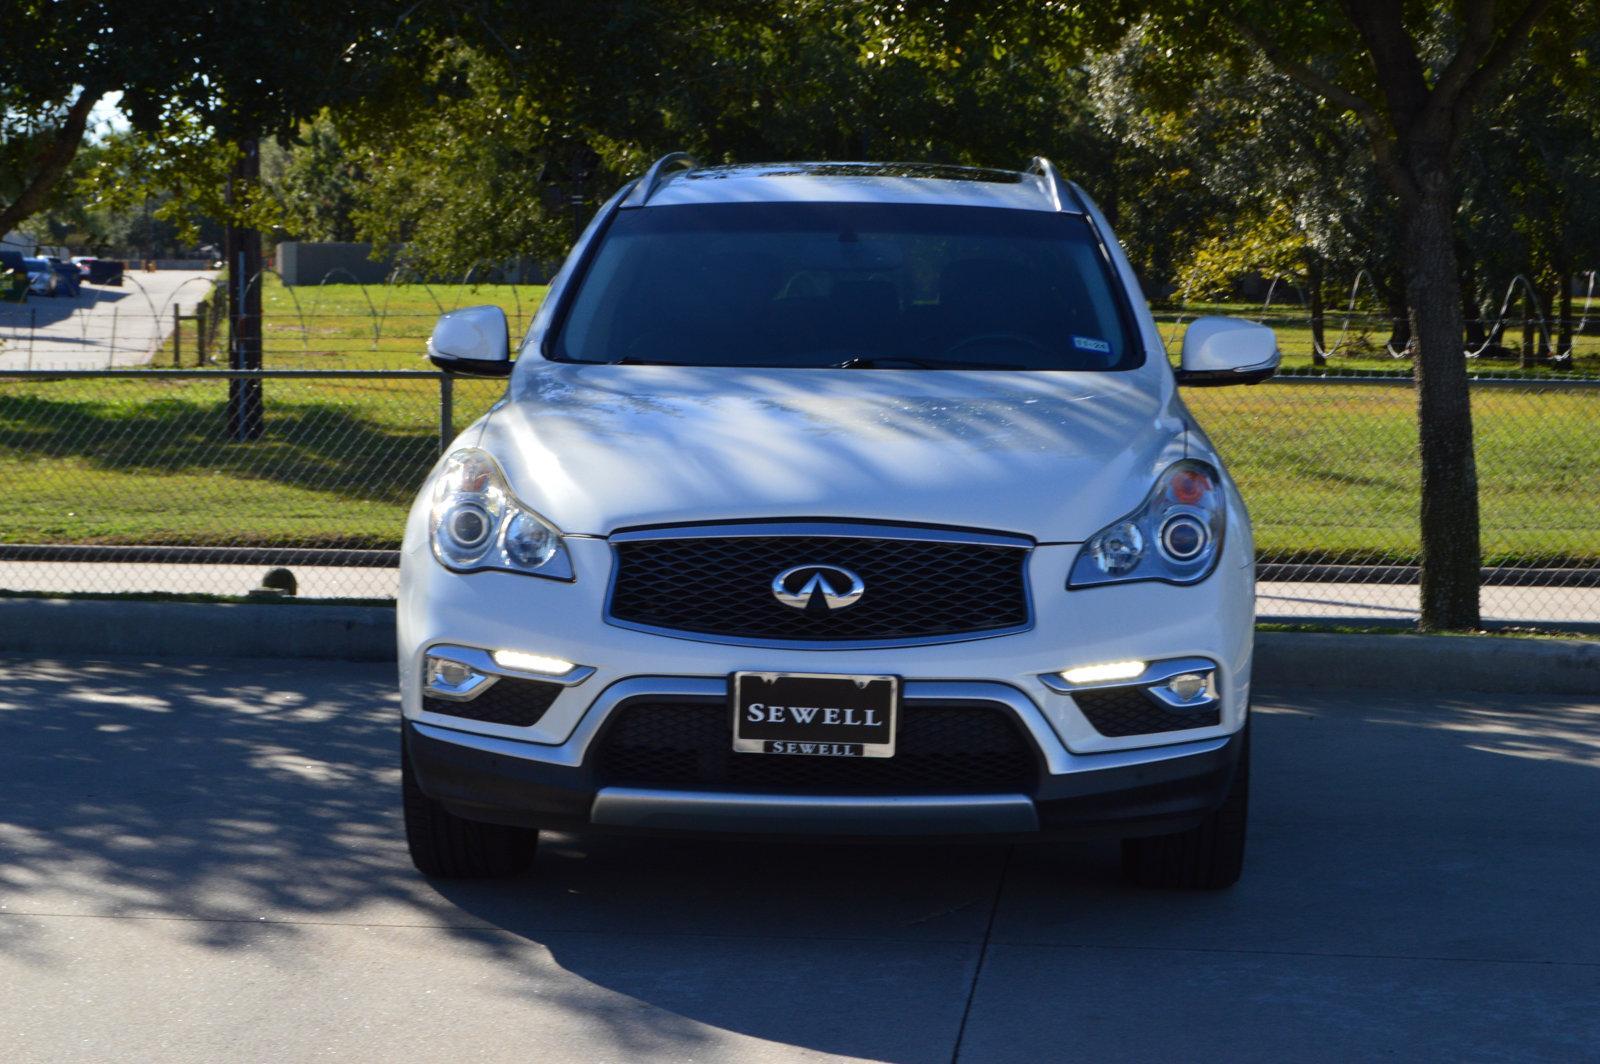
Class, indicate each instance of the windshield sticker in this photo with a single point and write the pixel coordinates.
(1085, 343)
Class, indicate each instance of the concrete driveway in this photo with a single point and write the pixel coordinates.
(203, 862)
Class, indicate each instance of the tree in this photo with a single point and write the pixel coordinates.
(1529, 168)
(1414, 75)
(39, 137)
(1247, 174)
(314, 181)
(233, 73)
(502, 142)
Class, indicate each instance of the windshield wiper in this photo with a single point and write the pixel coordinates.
(902, 362)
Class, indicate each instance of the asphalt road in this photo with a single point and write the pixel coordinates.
(103, 326)
(203, 862)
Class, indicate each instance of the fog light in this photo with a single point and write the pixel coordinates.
(1189, 686)
(1111, 670)
(521, 662)
(449, 678)
(449, 673)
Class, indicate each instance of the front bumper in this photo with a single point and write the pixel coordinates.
(1088, 781)
(1118, 793)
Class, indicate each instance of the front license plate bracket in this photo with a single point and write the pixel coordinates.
(815, 714)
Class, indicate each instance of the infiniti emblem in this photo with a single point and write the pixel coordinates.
(802, 585)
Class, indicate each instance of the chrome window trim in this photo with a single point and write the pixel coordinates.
(1059, 761)
(831, 529)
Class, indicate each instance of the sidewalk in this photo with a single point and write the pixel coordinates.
(1373, 602)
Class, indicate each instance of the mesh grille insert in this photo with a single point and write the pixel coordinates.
(519, 703)
(1129, 711)
(914, 588)
(941, 748)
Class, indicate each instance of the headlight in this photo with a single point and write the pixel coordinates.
(477, 524)
(1175, 535)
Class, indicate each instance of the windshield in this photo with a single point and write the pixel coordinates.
(865, 285)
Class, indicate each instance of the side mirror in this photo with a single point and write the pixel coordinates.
(472, 340)
(1227, 351)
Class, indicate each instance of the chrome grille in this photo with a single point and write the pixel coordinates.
(917, 589)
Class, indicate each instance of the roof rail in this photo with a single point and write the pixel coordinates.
(1060, 192)
(658, 172)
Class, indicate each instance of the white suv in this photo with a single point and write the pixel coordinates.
(851, 500)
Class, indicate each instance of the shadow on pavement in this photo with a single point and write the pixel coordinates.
(43, 311)
(252, 801)
(255, 800)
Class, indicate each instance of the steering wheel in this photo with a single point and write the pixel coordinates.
(1016, 338)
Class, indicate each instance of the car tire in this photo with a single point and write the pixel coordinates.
(1208, 856)
(447, 846)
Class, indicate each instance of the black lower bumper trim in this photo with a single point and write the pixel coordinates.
(1149, 798)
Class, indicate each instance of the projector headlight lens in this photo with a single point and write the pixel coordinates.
(1183, 537)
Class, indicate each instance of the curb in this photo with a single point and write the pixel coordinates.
(196, 630)
(204, 630)
(1427, 663)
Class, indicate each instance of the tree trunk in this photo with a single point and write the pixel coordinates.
(1547, 327)
(1318, 337)
(1530, 311)
(1564, 328)
(1450, 546)
(52, 161)
(243, 252)
(1399, 321)
(1471, 314)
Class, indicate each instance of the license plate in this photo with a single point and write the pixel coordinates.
(814, 715)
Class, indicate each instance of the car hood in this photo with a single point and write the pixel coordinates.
(1054, 456)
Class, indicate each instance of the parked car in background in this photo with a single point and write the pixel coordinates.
(42, 277)
(99, 271)
(68, 279)
(13, 277)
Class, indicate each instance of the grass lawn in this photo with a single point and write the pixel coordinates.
(147, 461)
(1329, 470)
(1360, 341)
(349, 326)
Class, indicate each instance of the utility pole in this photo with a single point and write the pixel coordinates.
(242, 252)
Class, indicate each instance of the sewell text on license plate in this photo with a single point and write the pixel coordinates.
(814, 714)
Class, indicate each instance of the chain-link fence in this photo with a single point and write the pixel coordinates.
(146, 480)
(193, 481)
(1330, 471)
(178, 319)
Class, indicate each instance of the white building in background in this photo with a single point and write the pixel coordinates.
(15, 241)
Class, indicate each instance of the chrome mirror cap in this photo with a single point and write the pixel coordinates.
(1218, 351)
(472, 340)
